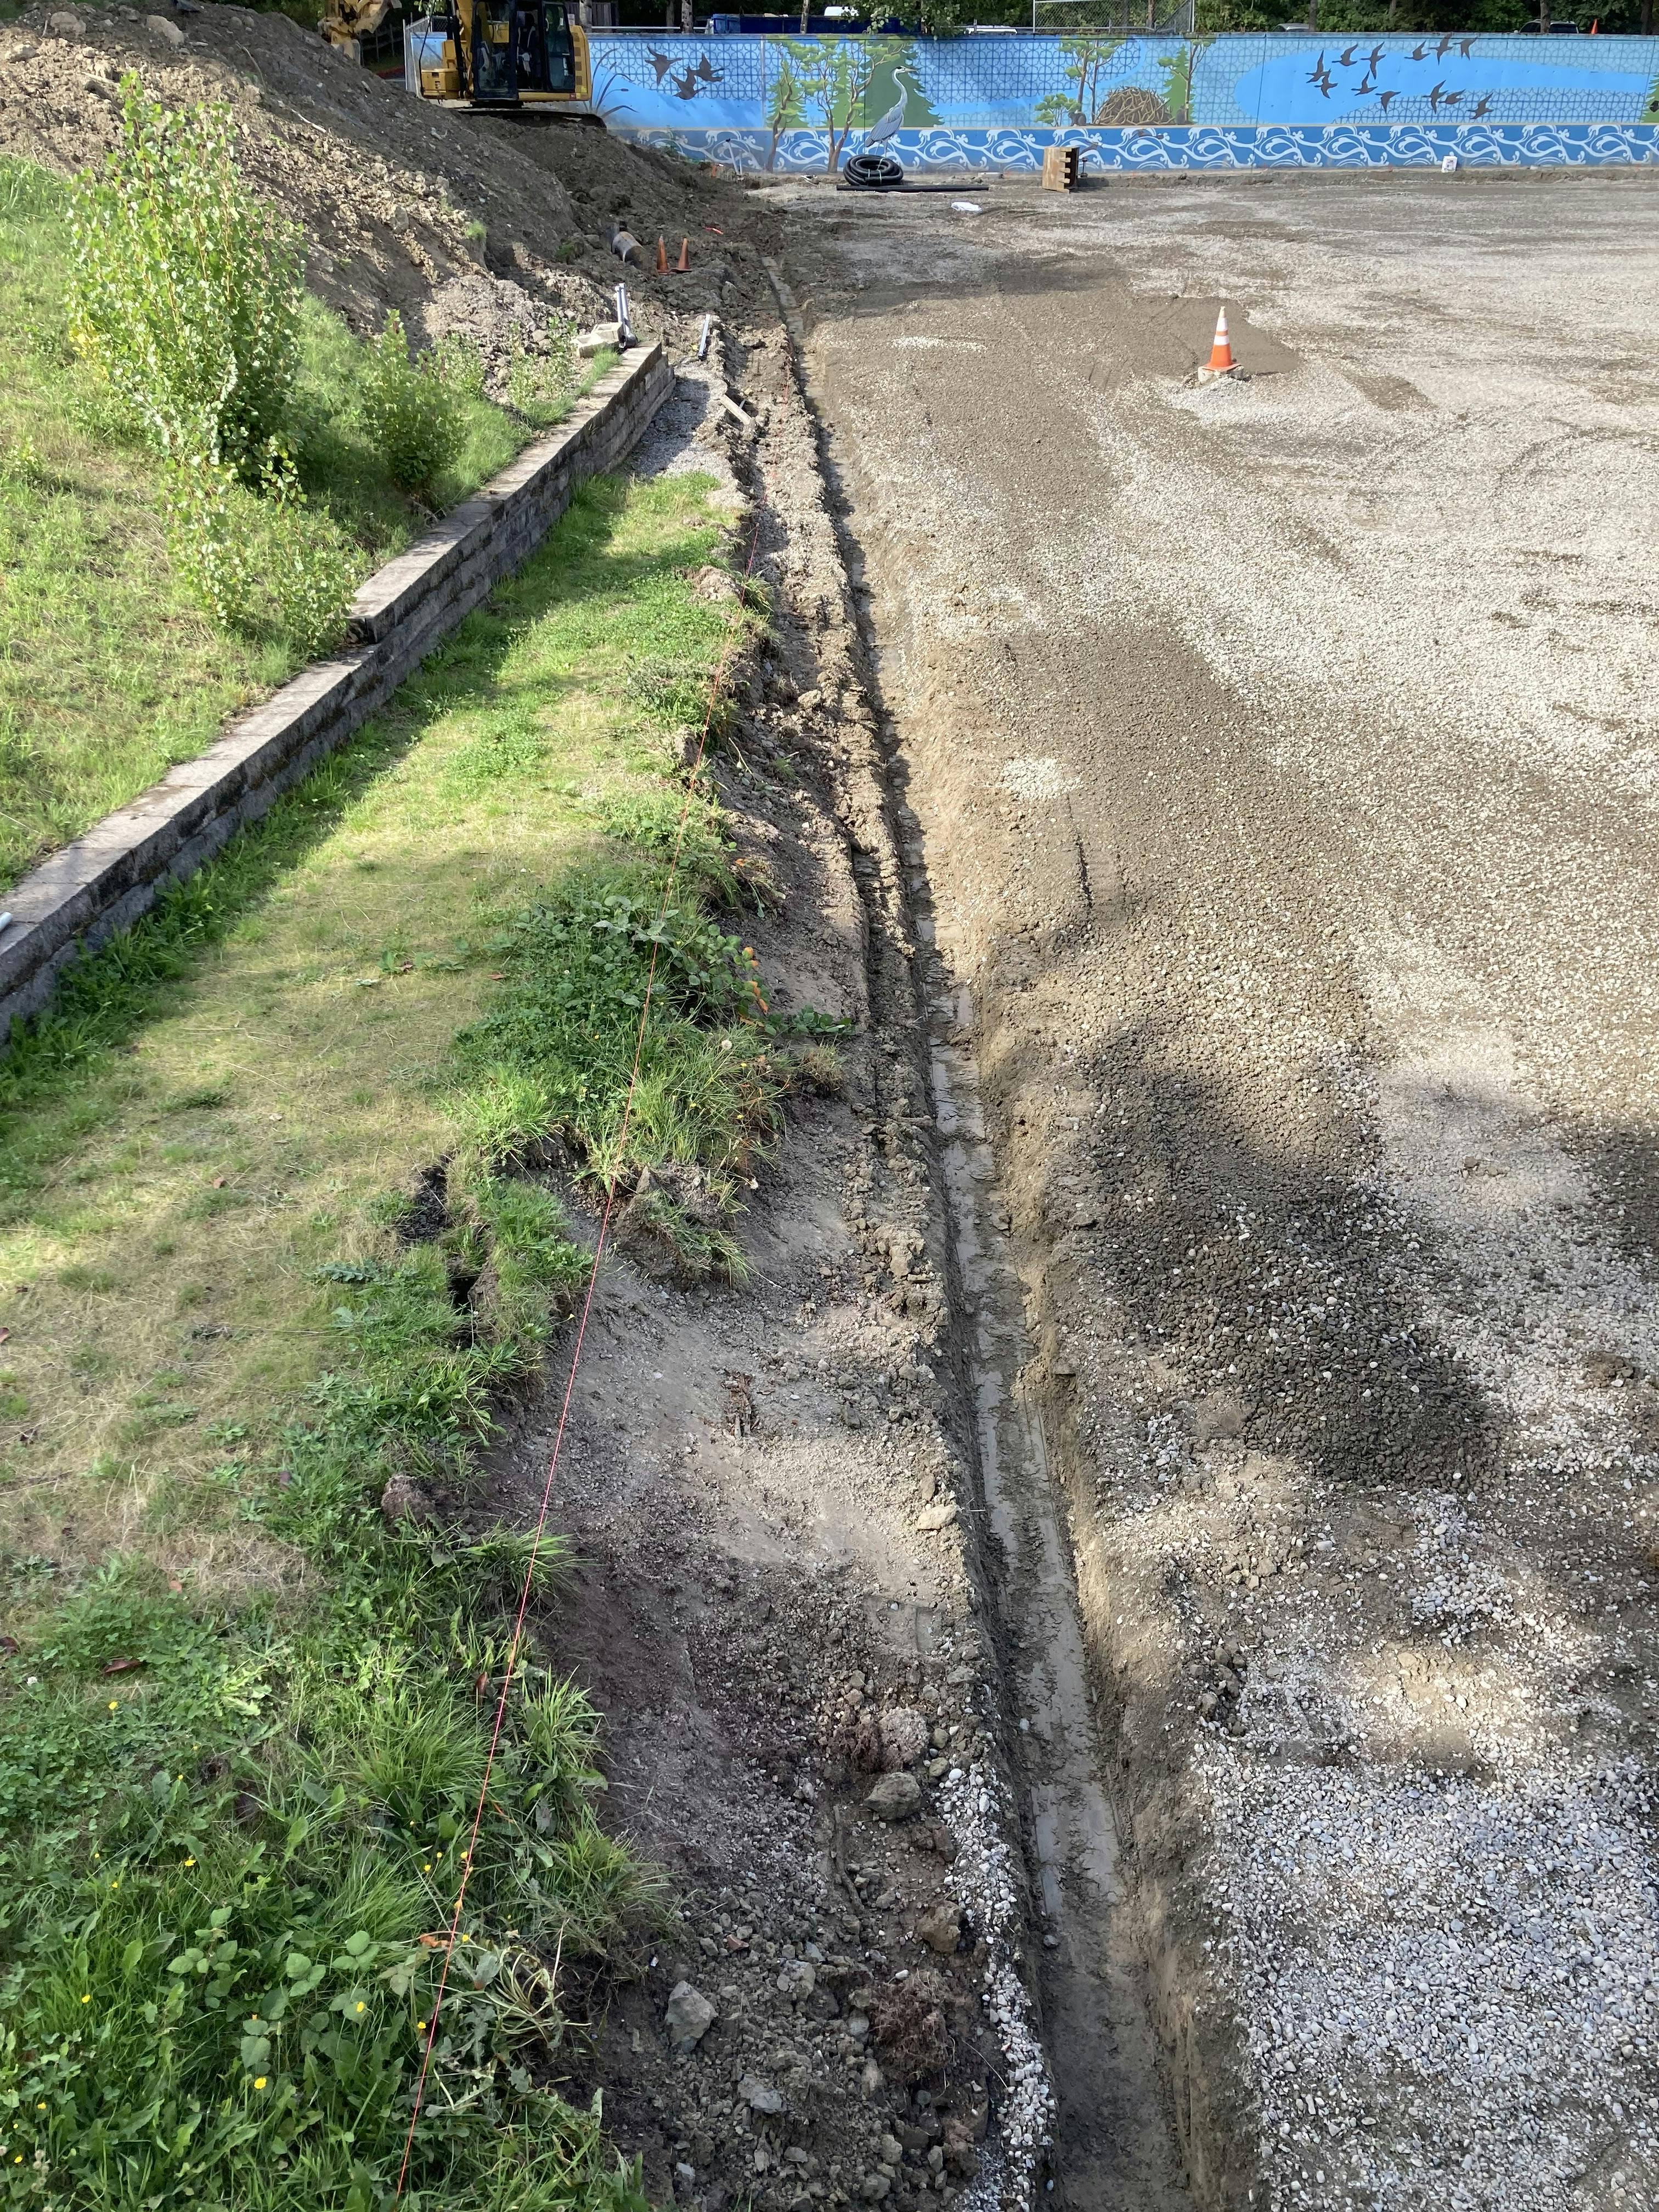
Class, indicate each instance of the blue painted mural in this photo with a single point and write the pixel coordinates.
(1285, 100)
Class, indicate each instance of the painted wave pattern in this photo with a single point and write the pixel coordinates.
(1199, 146)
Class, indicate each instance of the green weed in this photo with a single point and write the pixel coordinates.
(585, 969)
(540, 386)
(410, 410)
(211, 1953)
(672, 823)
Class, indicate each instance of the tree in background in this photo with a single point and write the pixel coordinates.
(1344, 17)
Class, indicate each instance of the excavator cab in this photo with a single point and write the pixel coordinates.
(516, 56)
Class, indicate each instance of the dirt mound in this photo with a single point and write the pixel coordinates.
(400, 199)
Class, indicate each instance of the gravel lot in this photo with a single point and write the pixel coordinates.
(1283, 755)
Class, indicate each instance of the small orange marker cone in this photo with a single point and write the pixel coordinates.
(683, 266)
(662, 257)
(1221, 361)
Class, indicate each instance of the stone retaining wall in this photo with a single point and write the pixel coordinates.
(104, 881)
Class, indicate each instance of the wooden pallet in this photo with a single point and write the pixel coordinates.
(1061, 168)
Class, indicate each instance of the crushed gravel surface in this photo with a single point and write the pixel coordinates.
(1282, 754)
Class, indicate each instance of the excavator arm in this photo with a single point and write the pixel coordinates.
(349, 21)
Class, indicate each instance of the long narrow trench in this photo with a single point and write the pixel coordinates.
(1115, 2147)
(1116, 2150)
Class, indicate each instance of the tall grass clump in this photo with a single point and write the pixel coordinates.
(185, 297)
(186, 287)
(582, 969)
(412, 407)
(540, 385)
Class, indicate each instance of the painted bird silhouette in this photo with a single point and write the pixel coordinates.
(1419, 53)
(1345, 61)
(1444, 47)
(1326, 85)
(660, 63)
(685, 85)
(1481, 107)
(1367, 83)
(1466, 47)
(1373, 58)
(706, 74)
(1384, 98)
(1452, 100)
(1437, 97)
(1317, 70)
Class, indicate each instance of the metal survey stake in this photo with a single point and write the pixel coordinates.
(702, 342)
(624, 328)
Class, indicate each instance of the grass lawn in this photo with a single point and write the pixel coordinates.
(239, 1738)
(108, 674)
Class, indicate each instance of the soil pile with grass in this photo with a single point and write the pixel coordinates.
(397, 198)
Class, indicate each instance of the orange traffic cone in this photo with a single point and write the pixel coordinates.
(683, 266)
(662, 257)
(1221, 361)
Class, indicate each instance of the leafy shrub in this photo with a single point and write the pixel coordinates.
(186, 287)
(206, 539)
(307, 566)
(413, 414)
(460, 366)
(239, 557)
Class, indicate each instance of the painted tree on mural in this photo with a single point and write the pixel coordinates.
(839, 84)
(784, 111)
(831, 77)
(1085, 61)
(1176, 69)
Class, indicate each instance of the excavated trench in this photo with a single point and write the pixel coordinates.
(1123, 2136)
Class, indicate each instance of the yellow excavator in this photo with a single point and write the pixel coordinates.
(513, 57)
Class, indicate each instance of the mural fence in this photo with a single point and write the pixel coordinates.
(1144, 102)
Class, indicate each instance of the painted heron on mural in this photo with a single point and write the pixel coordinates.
(887, 126)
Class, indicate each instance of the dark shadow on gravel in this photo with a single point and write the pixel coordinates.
(1284, 1286)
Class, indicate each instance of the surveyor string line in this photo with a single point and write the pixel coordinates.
(515, 1640)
